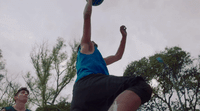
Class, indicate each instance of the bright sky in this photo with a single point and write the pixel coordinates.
(151, 26)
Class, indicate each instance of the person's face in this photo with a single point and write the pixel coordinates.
(22, 96)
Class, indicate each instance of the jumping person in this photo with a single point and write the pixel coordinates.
(21, 98)
(94, 88)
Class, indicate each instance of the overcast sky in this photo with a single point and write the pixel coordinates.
(151, 25)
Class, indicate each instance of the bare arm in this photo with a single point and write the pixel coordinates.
(120, 51)
(86, 44)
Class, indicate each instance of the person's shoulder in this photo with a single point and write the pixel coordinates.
(6, 108)
(3, 110)
(9, 108)
(28, 110)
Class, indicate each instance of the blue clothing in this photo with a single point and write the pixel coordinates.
(10, 108)
(87, 64)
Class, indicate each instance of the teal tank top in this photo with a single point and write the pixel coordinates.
(10, 108)
(90, 64)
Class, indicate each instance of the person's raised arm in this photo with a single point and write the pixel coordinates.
(120, 51)
(86, 44)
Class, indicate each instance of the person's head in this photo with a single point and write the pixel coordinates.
(22, 95)
(92, 42)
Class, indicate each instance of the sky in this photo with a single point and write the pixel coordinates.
(151, 25)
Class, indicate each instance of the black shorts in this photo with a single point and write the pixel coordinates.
(97, 92)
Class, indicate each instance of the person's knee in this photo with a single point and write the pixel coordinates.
(126, 101)
(129, 96)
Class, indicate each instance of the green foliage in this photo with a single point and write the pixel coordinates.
(139, 68)
(2, 62)
(8, 87)
(54, 69)
(177, 77)
(2, 66)
(1, 77)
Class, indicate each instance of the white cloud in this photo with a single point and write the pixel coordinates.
(142, 49)
(14, 31)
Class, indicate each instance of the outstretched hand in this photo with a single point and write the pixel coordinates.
(123, 31)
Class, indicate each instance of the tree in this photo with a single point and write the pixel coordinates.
(8, 87)
(52, 74)
(2, 66)
(178, 77)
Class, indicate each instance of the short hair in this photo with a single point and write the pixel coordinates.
(21, 89)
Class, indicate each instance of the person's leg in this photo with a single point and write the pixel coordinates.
(133, 96)
(126, 101)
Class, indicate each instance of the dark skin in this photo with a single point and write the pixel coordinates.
(87, 46)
